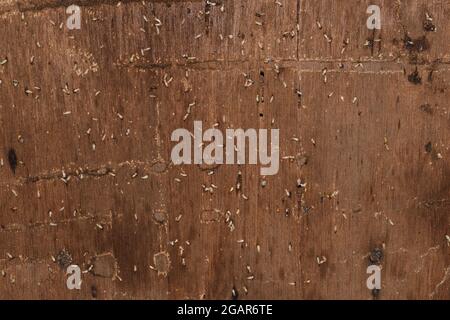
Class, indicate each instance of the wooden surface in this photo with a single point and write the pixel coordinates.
(371, 143)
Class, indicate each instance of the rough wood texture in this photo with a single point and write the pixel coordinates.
(372, 144)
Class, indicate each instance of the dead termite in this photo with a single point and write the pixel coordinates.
(248, 82)
(144, 50)
(386, 143)
(12, 159)
(234, 294)
(321, 260)
(158, 22)
(231, 226)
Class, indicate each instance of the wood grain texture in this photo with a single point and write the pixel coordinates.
(89, 113)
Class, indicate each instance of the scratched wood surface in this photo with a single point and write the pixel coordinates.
(86, 178)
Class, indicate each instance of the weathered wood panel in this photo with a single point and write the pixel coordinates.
(89, 114)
